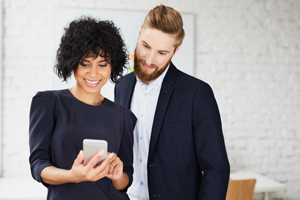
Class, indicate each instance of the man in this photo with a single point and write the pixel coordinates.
(179, 150)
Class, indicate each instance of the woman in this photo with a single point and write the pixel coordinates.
(60, 120)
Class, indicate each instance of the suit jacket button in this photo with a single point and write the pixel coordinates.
(156, 195)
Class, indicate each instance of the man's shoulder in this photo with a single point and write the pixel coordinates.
(125, 81)
(183, 78)
(187, 80)
(126, 78)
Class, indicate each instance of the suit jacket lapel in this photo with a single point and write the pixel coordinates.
(129, 90)
(162, 104)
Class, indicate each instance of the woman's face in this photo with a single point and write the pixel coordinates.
(92, 74)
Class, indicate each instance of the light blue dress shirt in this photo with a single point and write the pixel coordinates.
(143, 105)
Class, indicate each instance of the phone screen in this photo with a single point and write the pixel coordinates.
(92, 147)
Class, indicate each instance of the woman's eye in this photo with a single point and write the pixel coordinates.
(103, 65)
(83, 64)
(145, 45)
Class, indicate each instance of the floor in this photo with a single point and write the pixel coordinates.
(21, 189)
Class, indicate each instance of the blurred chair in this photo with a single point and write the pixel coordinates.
(240, 189)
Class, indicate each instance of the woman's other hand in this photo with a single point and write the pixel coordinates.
(119, 179)
(115, 168)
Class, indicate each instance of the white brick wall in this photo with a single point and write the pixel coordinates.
(249, 52)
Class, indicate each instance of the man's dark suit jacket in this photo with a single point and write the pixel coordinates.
(187, 157)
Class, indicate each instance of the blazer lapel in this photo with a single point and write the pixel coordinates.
(162, 104)
(128, 91)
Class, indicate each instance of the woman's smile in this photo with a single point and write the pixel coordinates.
(92, 83)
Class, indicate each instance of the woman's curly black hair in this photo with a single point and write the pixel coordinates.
(86, 37)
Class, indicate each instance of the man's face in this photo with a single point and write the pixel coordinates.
(153, 53)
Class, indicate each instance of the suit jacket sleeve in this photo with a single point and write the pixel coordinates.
(210, 146)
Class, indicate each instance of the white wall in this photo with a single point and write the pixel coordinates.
(0, 86)
(248, 51)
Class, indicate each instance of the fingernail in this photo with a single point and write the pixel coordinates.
(100, 153)
(110, 155)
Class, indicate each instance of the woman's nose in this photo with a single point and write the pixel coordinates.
(93, 71)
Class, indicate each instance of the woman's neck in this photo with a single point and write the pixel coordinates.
(93, 99)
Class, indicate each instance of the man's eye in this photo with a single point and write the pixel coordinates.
(162, 53)
(145, 45)
(104, 65)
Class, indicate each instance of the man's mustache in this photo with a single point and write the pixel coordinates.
(143, 62)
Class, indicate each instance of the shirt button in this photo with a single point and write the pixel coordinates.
(141, 138)
(142, 183)
(142, 115)
(140, 160)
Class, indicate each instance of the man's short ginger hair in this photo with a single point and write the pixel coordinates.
(167, 20)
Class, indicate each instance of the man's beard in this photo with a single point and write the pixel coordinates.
(141, 73)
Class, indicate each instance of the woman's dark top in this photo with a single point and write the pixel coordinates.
(59, 123)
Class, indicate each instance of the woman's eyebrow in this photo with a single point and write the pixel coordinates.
(83, 59)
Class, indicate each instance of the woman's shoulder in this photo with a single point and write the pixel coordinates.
(118, 108)
(125, 114)
(50, 94)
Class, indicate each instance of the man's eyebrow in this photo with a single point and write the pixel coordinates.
(166, 51)
(146, 43)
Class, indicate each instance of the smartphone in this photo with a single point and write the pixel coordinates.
(93, 146)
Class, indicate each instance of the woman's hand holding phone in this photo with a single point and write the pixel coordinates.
(94, 163)
(92, 171)
(111, 167)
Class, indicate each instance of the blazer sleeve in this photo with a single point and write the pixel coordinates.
(210, 146)
(126, 147)
(41, 126)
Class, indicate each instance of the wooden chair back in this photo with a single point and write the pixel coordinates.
(240, 189)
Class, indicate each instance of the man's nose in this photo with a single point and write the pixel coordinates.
(150, 59)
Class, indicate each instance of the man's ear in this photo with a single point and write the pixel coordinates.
(140, 30)
(178, 48)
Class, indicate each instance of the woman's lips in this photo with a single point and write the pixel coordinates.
(92, 83)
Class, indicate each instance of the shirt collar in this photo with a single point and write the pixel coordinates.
(155, 84)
